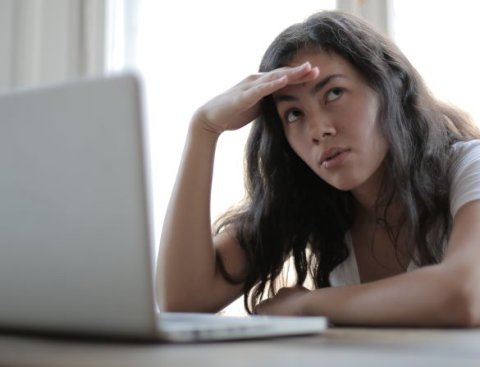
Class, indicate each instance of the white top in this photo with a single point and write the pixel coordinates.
(465, 187)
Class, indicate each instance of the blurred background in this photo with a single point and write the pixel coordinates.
(187, 51)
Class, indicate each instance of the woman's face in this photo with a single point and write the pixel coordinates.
(331, 123)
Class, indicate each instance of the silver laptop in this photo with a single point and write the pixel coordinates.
(76, 242)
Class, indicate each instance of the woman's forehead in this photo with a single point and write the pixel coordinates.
(319, 58)
(332, 67)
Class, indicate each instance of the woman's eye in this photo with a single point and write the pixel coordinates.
(292, 116)
(334, 94)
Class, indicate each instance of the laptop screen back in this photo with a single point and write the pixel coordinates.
(75, 223)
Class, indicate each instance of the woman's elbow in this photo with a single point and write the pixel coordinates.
(463, 301)
(471, 305)
(176, 301)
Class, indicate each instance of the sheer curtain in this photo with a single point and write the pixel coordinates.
(47, 41)
(441, 40)
(377, 12)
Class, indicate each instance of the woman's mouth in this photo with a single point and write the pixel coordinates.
(333, 157)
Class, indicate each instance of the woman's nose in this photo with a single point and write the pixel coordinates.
(320, 128)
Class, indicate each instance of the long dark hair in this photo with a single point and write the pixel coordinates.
(290, 212)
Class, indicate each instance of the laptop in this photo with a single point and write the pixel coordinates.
(76, 221)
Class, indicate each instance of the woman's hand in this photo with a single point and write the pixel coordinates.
(288, 301)
(239, 105)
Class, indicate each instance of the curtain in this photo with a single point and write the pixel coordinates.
(377, 12)
(47, 41)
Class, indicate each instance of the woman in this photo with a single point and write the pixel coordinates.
(355, 173)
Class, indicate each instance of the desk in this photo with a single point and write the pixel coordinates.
(355, 347)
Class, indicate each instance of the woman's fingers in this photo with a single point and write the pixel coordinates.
(287, 301)
(255, 93)
(262, 85)
(297, 74)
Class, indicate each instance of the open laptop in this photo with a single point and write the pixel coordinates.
(76, 242)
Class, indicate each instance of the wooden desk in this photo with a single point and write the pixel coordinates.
(355, 347)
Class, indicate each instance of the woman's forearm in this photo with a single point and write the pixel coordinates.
(429, 296)
(186, 258)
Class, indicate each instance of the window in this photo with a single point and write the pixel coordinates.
(440, 38)
(188, 52)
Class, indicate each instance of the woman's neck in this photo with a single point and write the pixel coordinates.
(368, 192)
(374, 206)
(379, 215)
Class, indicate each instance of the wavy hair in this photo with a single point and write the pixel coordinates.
(289, 212)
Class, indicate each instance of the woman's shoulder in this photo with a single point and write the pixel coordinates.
(464, 174)
(463, 154)
(464, 148)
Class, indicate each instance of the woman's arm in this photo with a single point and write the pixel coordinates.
(447, 294)
(188, 275)
(187, 266)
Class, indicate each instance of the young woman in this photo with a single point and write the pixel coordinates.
(355, 174)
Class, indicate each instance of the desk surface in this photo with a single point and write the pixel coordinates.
(337, 347)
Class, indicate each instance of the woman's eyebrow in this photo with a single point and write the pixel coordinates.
(279, 97)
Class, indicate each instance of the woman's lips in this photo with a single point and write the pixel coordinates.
(333, 157)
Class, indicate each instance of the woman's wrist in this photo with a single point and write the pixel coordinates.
(201, 125)
(315, 302)
(305, 304)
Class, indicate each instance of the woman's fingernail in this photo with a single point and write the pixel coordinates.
(305, 65)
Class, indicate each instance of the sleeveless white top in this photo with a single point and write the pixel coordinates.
(465, 187)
